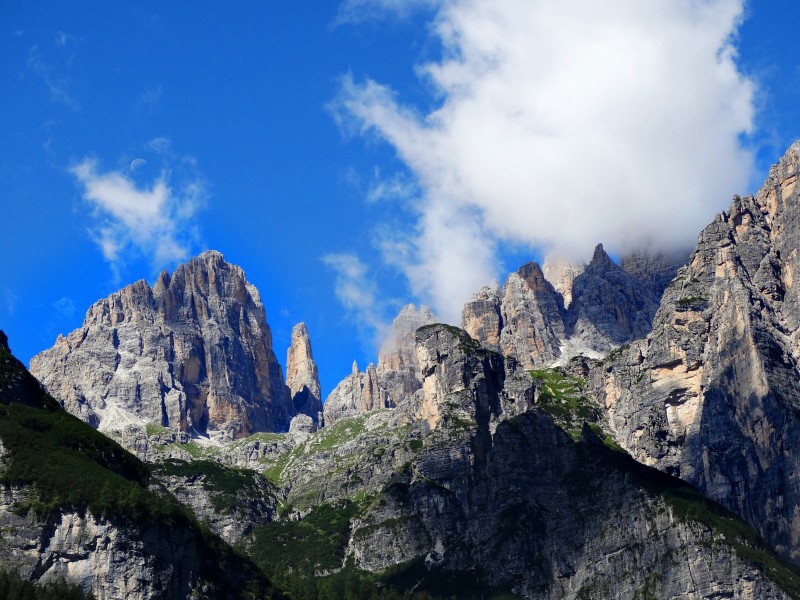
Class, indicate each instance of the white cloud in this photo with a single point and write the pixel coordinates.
(394, 187)
(560, 125)
(358, 293)
(155, 220)
(65, 307)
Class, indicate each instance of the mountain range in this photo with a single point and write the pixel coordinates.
(598, 430)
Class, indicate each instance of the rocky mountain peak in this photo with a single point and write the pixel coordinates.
(721, 364)
(358, 393)
(194, 354)
(481, 317)
(532, 318)
(609, 307)
(397, 351)
(394, 380)
(600, 260)
(561, 272)
(532, 274)
(397, 360)
(654, 270)
(302, 377)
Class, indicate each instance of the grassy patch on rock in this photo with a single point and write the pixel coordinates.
(561, 396)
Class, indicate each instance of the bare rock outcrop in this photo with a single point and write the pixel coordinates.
(397, 368)
(561, 272)
(654, 269)
(609, 307)
(75, 506)
(394, 380)
(712, 395)
(302, 377)
(192, 353)
(532, 318)
(482, 318)
(358, 393)
(577, 309)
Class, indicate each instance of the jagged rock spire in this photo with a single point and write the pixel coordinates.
(302, 376)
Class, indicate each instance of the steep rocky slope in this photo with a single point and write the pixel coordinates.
(712, 394)
(302, 377)
(193, 353)
(396, 377)
(488, 479)
(654, 270)
(609, 307)
(587, 309)
(76, 506)
(397, 359)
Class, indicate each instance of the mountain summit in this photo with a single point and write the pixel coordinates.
(193, 353)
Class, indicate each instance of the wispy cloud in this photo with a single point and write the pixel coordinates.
(149, 101)
(8, 301)
(559, 125)
(64, 307)
(358, 294)
(154, 219)
(397, 186)
(57, 81)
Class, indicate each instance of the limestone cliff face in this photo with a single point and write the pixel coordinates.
(193, 353)
(455, 369)
(471, 475)
(482, 319)
(497, 488)
(712, 394)
(532, 316)
(588, 309)
(75, 506)
(393, 381)
(654, 269)
(110, 560)
(302, 377)
(397, 360)
(358, 393)
(561, 272)
(609, 307)
(231, 511)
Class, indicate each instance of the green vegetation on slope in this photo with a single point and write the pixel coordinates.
(307, 559)
(65, 464)
(689, 505)
(225, 483)
(13, 587)
(561, 397)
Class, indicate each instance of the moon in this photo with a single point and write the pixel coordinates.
(137, 162)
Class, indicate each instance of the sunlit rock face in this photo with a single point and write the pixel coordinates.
(398, 369)
(302, 377)
(358, 393)
(712, 394)
(543, 316)
(192, 353)
(394, 380)
(470, 475)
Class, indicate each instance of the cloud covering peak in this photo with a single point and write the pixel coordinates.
(155, 220)
(561, 125)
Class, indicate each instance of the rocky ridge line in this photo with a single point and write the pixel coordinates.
(193, 353)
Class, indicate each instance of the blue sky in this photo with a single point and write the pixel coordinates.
(353, 157)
